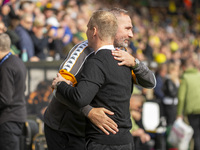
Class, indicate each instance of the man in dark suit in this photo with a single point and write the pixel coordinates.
(12, 98)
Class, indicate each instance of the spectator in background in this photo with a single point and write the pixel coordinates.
(170, 100)
(26, 7)
(81, 25)
(40, 41)
(39, 99)
(148, 52)
(12, 98)
(55, 33)
(67, 34)
(4, 12)
(165, 50)
(13, 8)
(72, 8)
(140, 137)
(49, 10)
(189, 98)
(26, 43)
(170, 89)
(160, 75)
(3, 28)
(13, 36)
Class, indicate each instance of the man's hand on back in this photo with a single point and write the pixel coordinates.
(99, 118)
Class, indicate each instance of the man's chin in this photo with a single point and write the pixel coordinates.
(125, 45)
(122, 44)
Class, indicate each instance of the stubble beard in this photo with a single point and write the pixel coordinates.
(120, 43)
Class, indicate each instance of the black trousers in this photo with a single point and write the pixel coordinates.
(10, 135)
(142, 146)
(170, 113)
(58, 140)
(194, 121)
(96, 146)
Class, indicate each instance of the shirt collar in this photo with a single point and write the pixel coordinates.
(5, 57)
(109, 47)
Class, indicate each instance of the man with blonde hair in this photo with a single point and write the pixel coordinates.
(103, 83)
(12, 98)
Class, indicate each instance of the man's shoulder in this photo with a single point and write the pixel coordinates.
(76, 57)
(104, 54)
(20, 28)
(17, 62)
(83, 43)
(79, 48)
(13, 63)
(13, 59)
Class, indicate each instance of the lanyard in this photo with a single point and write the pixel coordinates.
(6, 57)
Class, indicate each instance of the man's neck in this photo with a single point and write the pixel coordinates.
(101, 43)
(3, 54)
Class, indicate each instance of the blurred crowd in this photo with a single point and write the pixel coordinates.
(48, 29)
(45, 30)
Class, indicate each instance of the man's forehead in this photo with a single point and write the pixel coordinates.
(125, 21)
(125, 18)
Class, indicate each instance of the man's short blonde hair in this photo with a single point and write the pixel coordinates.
(105, 22)
(5, 42)
(118, 11)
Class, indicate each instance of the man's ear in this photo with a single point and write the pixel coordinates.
(94, 31)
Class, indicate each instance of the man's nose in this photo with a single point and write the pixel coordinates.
(130, 34)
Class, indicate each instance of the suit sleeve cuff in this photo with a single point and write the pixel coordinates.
(85, 110)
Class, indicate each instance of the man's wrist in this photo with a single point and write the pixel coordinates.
(85, 110)
(137, 62)
(57, 84)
